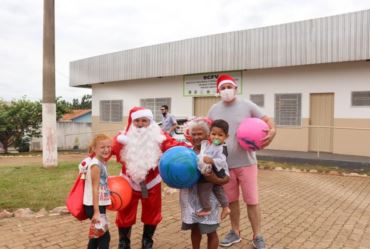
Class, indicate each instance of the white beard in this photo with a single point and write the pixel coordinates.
(142, 151)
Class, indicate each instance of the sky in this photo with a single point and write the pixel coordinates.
(86, 28)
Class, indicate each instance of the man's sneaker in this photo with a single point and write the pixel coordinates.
(230, 238)
(258, 242)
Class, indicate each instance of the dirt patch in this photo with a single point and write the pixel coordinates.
(36, 159)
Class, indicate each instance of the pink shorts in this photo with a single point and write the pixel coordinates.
(246, 178)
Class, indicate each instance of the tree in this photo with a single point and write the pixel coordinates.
(86, 101)
(84, 104)
(20, 120)
(63, 107)
(75, 104)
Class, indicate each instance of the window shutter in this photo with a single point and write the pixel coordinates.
(154, 104)
(361, 98)
(116, 111)
(288, 109)
(105, 110)
(111, 110)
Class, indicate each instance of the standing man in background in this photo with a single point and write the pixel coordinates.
(169, 122)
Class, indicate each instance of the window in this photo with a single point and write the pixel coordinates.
(111, 110)
(258, 99)
(288, 109)
(155, 104)
(361, 98)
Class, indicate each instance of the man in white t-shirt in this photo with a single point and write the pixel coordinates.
(242, 164)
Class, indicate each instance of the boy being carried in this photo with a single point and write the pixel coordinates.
(213, 158)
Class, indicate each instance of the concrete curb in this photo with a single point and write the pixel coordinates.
(312, 171)
(352, 165)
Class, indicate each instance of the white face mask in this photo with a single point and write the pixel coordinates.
(227, 94)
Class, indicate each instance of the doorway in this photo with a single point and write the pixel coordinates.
(321, 122)
(202, 105)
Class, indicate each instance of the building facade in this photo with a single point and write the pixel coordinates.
(312, 77)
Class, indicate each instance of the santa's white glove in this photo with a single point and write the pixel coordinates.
(122, 139)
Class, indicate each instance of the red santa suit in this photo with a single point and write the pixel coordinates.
(139, 154)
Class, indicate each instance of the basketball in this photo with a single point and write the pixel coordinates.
(120, 193)
(178, 167)
(251, 132)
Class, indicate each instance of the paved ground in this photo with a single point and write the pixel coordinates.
(300, 210)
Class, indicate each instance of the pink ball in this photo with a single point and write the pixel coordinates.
(251, 132)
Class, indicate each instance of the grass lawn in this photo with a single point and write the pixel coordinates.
(36, 187)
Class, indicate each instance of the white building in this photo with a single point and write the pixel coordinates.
(312, 77)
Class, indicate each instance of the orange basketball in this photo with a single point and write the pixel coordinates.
(120, 192)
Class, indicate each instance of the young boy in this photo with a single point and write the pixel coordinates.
(213, 158)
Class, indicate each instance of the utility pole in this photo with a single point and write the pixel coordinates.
(49, 125)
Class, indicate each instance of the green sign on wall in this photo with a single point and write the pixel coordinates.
(205, 84)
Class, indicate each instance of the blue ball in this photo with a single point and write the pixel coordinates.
(178, 167)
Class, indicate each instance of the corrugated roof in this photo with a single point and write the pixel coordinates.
(338, 38)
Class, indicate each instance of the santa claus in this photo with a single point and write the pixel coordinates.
(138, 149)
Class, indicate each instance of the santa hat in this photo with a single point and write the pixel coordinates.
(138, 112)
(223, 79)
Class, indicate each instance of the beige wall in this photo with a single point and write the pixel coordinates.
(338, 78)
(349, 140)
(350, 137)
(295, 138)
(70, 134)
(108, 128)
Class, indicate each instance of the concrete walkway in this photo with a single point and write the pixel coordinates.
(300, 210)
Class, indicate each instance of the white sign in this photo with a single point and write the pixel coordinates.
(205, 84)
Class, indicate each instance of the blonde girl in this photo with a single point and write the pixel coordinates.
(96, 193)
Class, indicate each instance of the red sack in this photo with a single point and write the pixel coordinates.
(75, 198)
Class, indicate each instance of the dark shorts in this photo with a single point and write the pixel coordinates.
(203, 228)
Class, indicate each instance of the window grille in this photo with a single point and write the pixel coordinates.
(111, 110)
(154, 104)
(288, 109)
(361, 98)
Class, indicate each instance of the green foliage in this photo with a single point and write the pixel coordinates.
(84, 104)
(19, 119)
(86, 101)
(63, 107)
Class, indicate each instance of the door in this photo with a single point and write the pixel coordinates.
(202, 105)
(321, 122)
